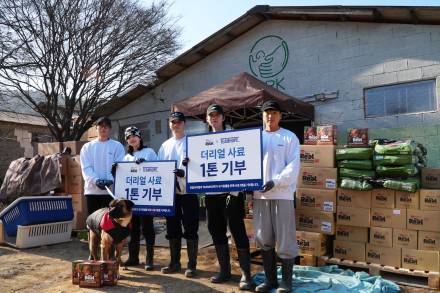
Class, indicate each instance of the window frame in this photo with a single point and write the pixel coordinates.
(436, 81)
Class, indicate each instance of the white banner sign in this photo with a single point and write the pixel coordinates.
(150, 185)
(225, 161)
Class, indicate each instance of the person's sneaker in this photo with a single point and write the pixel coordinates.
(131, 263)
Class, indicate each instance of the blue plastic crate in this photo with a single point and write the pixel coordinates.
(31, 210)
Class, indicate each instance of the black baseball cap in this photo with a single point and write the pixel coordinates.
(270, 105)
(214, 108)
(177, 116)
(104, 121)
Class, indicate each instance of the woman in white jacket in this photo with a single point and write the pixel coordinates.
(138, 153)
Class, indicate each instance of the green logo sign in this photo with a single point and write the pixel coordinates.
(268, 57)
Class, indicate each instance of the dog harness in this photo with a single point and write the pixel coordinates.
(100, 220)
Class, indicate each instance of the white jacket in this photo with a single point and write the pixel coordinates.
(280, 163)
(175, 149)
(146, 153)
(97, 158)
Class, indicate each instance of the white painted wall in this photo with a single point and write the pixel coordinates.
(323, 57)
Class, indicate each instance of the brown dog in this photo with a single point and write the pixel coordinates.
(109, 226)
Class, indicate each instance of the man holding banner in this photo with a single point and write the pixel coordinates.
(186, 205)
(274, 213)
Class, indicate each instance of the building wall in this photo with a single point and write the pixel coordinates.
(324, 57)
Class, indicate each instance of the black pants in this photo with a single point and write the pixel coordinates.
(147, 225)
(226, 210)
(97, 201)
(187, 215)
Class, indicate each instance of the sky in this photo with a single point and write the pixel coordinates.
(198, 19)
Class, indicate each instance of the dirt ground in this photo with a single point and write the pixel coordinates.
(48, 269)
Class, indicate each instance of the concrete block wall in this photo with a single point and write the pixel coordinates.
(324, 57)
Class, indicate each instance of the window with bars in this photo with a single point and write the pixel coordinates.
(404, 98)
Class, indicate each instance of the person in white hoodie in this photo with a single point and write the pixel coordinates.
(186, 205)
(274, 213)
(138, 153)
(97, 158)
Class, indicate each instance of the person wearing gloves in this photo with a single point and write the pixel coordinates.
(274, 213)
(138, 153)
(186, 205)
(97, 158)
(227, 209)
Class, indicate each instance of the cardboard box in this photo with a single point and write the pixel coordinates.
(383, 198)
(79, 202)
(381, 236)
(349, 250)
(75, 146)
(354, 198)
(351, 233)
(429, 240)
(430, 199)
(424, 260)
(358, 217)
(79, 220)
(312, 243)
(326, 135)
(76, 271)
(322, 156)
(315, 221)
(388, 218)
(318, 178)
(407, 200)
(110, 272)
(307, 260)
(91, 275)
(309, 198)
(430, 178)
(75, 184)
(404, 238)
(50, 148)
(387, 256)
(423, 220)
(310, 135)
(357, 137)
(74, 166)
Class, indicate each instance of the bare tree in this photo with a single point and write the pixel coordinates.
(79, 54)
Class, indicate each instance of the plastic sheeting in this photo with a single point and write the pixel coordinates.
(333, 279)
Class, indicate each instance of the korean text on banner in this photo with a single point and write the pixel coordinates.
(150, 185)
(225, 161)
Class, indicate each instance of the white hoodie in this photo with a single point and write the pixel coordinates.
(175, 149)
(280, 163)
(97, 158)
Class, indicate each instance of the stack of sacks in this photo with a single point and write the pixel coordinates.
(355, 161)
(397, 164)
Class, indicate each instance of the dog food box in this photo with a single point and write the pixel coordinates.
(110, 272)
(91, 274)
(76, 271)
(357, 137)
(310, 135)
(431, 178)
(326, 134)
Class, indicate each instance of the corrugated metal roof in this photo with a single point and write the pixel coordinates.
(261, 13)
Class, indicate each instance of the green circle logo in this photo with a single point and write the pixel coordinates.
(268, 56)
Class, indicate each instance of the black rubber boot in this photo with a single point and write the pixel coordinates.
(192, 246)
(133, 255)
(244, 259)
(286, 271)
(149, 264)
(270, 270)
(224, 260)
(174, 266)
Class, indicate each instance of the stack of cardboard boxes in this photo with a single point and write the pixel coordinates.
(71, 175)
(316, 192)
